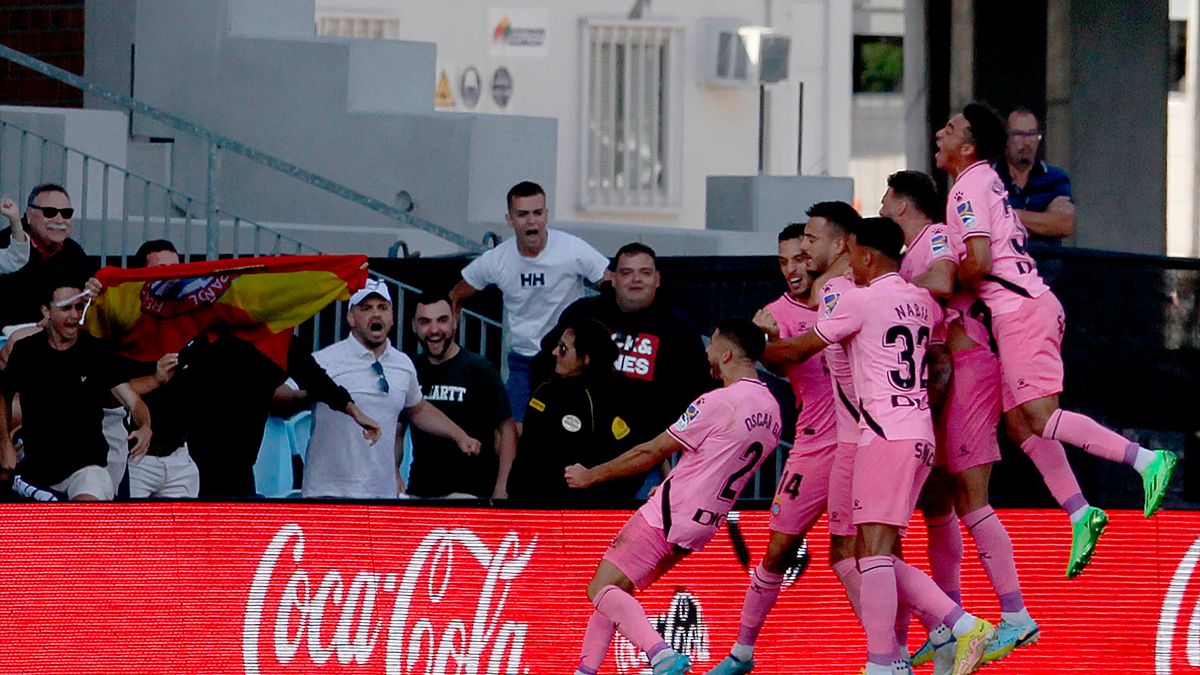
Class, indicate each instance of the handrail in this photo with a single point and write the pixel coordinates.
(107, 165)
(217, 141)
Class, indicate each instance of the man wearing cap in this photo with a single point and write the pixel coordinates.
(341, 462)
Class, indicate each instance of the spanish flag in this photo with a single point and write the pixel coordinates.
(156, 310)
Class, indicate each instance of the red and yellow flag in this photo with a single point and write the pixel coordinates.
(153, 311)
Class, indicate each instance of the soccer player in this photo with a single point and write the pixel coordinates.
(802, 489)
(1028, 323)
(723, 438)
(885, 325)
(966, 425)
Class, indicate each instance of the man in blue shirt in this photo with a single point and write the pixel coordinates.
(1040, 193)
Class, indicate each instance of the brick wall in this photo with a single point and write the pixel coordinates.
(51, 30)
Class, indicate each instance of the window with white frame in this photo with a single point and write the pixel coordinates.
(631, 120)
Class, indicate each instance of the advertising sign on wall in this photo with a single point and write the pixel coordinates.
(519, 32)
(267, 589)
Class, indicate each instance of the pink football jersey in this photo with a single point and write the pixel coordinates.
(940, 242)
(810, 379)
(726, 435)
(887, 325)
(838, 362)
(979, 207)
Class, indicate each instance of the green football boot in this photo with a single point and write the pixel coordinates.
(1157, 479)
(1084, 536)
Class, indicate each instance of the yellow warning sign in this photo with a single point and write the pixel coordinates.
(442, 97)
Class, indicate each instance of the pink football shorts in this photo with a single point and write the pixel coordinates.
(1030, 344)
(967, 426)
(803, 489)
(642, 552)
(841, 483)
(888, 476)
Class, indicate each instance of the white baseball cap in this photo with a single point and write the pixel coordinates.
(372, 287)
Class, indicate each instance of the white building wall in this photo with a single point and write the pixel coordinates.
(1182, 144)
(719, 125)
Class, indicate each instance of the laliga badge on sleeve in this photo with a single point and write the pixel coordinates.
(571, 423)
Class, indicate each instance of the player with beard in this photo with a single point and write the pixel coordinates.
(539, 272)
(467, 388)
(722, 437)
(344, 460)
(1028, 324)
(802, 490)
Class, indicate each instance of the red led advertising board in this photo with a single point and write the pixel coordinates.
(266, 589)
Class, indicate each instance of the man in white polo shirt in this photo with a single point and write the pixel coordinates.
(341, 461)
(539, 272)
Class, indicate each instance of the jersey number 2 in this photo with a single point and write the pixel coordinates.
(752, 454)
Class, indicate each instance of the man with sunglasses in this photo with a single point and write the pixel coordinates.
(48, 224)
(342, 461)
(1040, 193)
(65, 378)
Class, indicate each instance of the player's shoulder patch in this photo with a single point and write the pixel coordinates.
(939, 243)
(692, 412)
(829, 302)
(966, 213)
(619, 428)
(537, 405)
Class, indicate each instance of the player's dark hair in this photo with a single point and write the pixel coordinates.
(881, 234)
(55, 278)
(523, 189)
(986, 130)
(792, 231)
(840, 215)
(153, 246)
(433, 298)
(747, 337)
(593, 340)
(43, 188)
(918, 187)
(635, 248)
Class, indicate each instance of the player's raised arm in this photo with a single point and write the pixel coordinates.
(639, 459)
(977, 263)
(793, 350)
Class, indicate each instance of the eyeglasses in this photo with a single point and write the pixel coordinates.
(561, 348)
(383, 383)
(51, 211)
(1026, 134)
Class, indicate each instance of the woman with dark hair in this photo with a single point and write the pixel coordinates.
(572, 418)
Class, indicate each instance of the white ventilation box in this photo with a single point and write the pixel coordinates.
(735, 54)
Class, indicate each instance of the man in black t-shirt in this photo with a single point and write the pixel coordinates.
(468, 390)
(64, 378)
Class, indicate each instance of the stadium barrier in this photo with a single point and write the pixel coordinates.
(274, 588)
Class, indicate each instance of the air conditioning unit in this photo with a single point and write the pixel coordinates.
(734, 54)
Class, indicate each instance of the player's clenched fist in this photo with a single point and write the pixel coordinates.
(766, 323)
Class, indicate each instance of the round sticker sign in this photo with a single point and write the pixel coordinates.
(572, 423)
(502, 87)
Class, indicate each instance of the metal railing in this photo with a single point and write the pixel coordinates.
(118, 208)
(215, 144)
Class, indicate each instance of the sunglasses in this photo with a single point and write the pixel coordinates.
(383, 383)
(51, 211)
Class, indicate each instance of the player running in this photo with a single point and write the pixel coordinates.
(802, 489)
(1027, 323)
(723, 438)
(885, 325)
(966, 426)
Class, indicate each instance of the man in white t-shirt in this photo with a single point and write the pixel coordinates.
(341, 460)
(539, 272)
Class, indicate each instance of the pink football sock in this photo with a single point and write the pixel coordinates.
(879, 602)
(630, 618)
(918, 590)
(760, 598)
(596, 638)
(847, 572)
(1085, 433)
(996, 554)
(1051, 461)
(945, 554)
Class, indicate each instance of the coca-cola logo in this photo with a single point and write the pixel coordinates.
(299, 619)
(1178, 651)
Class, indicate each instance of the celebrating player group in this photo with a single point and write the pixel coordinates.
(905, 341)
